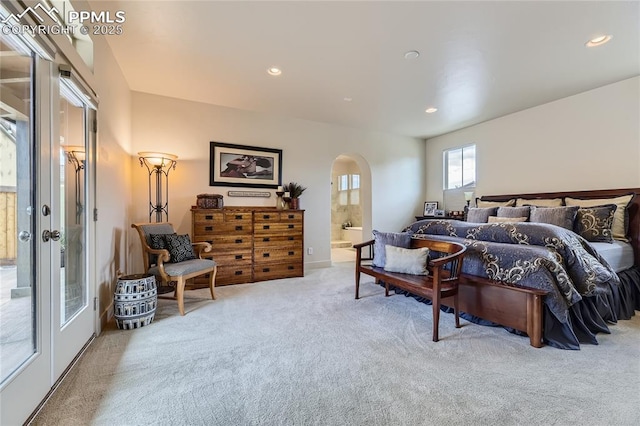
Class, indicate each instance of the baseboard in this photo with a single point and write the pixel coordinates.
(318, 265)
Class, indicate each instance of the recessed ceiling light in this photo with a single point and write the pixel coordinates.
(431, 110)
(347, 99)
(598, 41)
(412, 54)
(274, 71)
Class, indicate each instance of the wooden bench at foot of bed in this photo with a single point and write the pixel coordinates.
(519, 308)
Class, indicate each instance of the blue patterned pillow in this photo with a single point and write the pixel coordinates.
(559, 216)
(480, 214)
(157, 241)
(594, 223)
(382, 239)
(518, 212)
(179, 247)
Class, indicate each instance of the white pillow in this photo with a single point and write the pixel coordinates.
(509, 203)
(539, 202)
(406, 261)
(495, 219)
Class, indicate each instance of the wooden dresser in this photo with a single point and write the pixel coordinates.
(252, 243)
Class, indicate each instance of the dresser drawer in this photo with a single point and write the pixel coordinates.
(288, 217)
(226, 242)
(231, 257)
(234, 274)
(278, 228)
(261, 241)
(292, 252)
(277, 270)
(237, 227)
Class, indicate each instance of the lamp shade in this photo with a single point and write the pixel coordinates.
(76, 151)
(468, 196)
(158, 159)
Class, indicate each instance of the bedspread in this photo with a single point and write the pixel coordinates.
(534, 255)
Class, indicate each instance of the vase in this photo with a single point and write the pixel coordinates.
(280, 204)
(295, 204)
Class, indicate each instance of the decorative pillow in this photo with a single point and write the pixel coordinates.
(540, 202)
(559, 216)
(157, 241)
(382, 239)
(496, 219)
(406, 261)
(514, 211)
(594, 223)
(479, 214)
(620, 217)
(179, 247)
(509, 203)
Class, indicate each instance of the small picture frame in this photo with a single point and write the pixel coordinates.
(430, 208)
(439, 213)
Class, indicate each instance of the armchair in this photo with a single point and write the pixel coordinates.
(156, 261)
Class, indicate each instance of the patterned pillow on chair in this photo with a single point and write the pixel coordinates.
(179, 247)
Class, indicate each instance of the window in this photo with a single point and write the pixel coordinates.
(460, 167)
(349, 189)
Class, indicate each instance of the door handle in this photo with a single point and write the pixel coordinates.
(50, 235)
(24, 236)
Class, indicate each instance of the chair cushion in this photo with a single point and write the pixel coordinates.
(184, 268)
(179, 247)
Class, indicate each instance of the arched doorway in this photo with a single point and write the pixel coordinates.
(350, 205)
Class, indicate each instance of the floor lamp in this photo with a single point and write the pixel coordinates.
(158, 165)
(76, 156)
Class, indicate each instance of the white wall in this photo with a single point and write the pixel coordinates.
(583, 142)
(185, 128)
(113, 174)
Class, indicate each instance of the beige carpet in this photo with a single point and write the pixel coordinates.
(304, 352)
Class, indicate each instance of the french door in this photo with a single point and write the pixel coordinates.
(47, 146)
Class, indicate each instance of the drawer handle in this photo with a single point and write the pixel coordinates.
(208, 228)
(266, 216)
(290, 267)
(291, 238)
(239, 228)
(238, 241)
(265, 269)
(238, 256)
(291, 216)
(266, 227)
(291, 226)
(209, 217)
(265, 254)
(290, 253)
(238, 273)
(239, 217)
(266, 239)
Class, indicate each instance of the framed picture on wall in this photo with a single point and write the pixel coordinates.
(430, 208)
(244, 166)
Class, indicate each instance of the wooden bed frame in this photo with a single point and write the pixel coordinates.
(521, 308)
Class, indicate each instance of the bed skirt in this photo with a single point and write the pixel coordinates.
(587, 318)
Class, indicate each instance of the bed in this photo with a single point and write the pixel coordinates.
(590, 285)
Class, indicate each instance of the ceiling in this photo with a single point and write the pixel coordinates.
(478, 60)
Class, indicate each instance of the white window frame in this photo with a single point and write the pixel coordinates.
(445, 167)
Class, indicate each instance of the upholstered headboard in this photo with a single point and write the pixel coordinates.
(633, 209)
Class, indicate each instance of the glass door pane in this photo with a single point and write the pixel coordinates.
(17, 295)
(73, 269)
